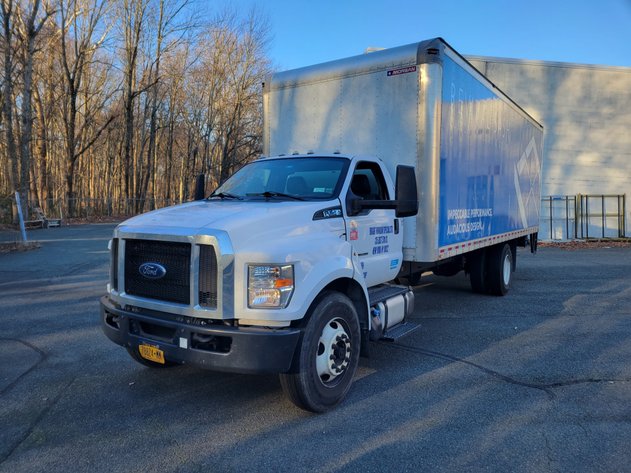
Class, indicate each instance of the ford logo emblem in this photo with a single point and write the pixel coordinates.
(152, 270)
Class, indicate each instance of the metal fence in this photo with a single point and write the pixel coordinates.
(570, 217)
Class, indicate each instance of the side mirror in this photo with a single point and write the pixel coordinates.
(406, 192)
(199, 187)
(405, 204)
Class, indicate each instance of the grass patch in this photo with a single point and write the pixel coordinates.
(10, 247)
(588, 243)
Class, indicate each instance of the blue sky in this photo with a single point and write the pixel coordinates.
(580, 31)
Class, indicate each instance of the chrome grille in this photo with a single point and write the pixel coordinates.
(174, 257)
(114, 265)
(207, 277)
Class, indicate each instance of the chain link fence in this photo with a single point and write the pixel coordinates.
(577, 217)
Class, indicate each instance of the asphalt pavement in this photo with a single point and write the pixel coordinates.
(539, 380)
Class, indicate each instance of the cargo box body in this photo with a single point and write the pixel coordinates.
(476, 153)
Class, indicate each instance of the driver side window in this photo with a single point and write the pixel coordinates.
(368, 182)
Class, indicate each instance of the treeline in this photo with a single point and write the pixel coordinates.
(124, 102)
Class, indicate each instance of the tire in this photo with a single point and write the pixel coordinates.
(135, 354)
(500, 269)
(477, 271)
(327, 357)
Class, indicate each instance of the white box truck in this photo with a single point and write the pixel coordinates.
(378, 168)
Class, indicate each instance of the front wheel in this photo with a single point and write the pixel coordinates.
(328, 355)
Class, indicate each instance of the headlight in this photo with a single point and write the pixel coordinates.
(270, 285)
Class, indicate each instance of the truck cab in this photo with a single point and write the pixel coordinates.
(284, 268)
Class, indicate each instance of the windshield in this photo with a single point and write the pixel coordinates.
(312, 178)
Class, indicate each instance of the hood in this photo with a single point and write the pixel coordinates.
(254, 218)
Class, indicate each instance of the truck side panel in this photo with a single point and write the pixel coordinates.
(490, 163)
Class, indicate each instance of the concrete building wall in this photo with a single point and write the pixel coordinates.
(586, 114)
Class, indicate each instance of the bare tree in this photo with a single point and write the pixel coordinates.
(132, 16)
(170, 31)
(247, 72)
(178, 67)
(231, 71)
(7, 10)
(79, 21)
(82, 119)
(21, 27)
(29, 26)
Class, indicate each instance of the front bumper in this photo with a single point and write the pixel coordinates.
(197, 342)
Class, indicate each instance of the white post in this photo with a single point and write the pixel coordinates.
(20, 216)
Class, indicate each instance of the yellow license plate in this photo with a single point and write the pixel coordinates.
(151, 353)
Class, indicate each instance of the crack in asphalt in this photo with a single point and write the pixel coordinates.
(42, 357)
(546, 388)
(549, 450)
(5, 456)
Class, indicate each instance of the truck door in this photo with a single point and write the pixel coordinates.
(375, 234)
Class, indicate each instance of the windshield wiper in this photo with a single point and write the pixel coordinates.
(268, 194)
(225, 195)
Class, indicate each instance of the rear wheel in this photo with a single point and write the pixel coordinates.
(500, 269)
(328, 355)
(477, 271)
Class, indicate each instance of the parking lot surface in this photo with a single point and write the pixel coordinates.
(539, 380)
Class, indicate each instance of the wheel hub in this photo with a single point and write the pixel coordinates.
(334, 351)
(506, 270)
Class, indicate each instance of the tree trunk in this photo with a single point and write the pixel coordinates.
(27, 123)
(169, 156)
(12, 153)
(151, 149)
(42, 177)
